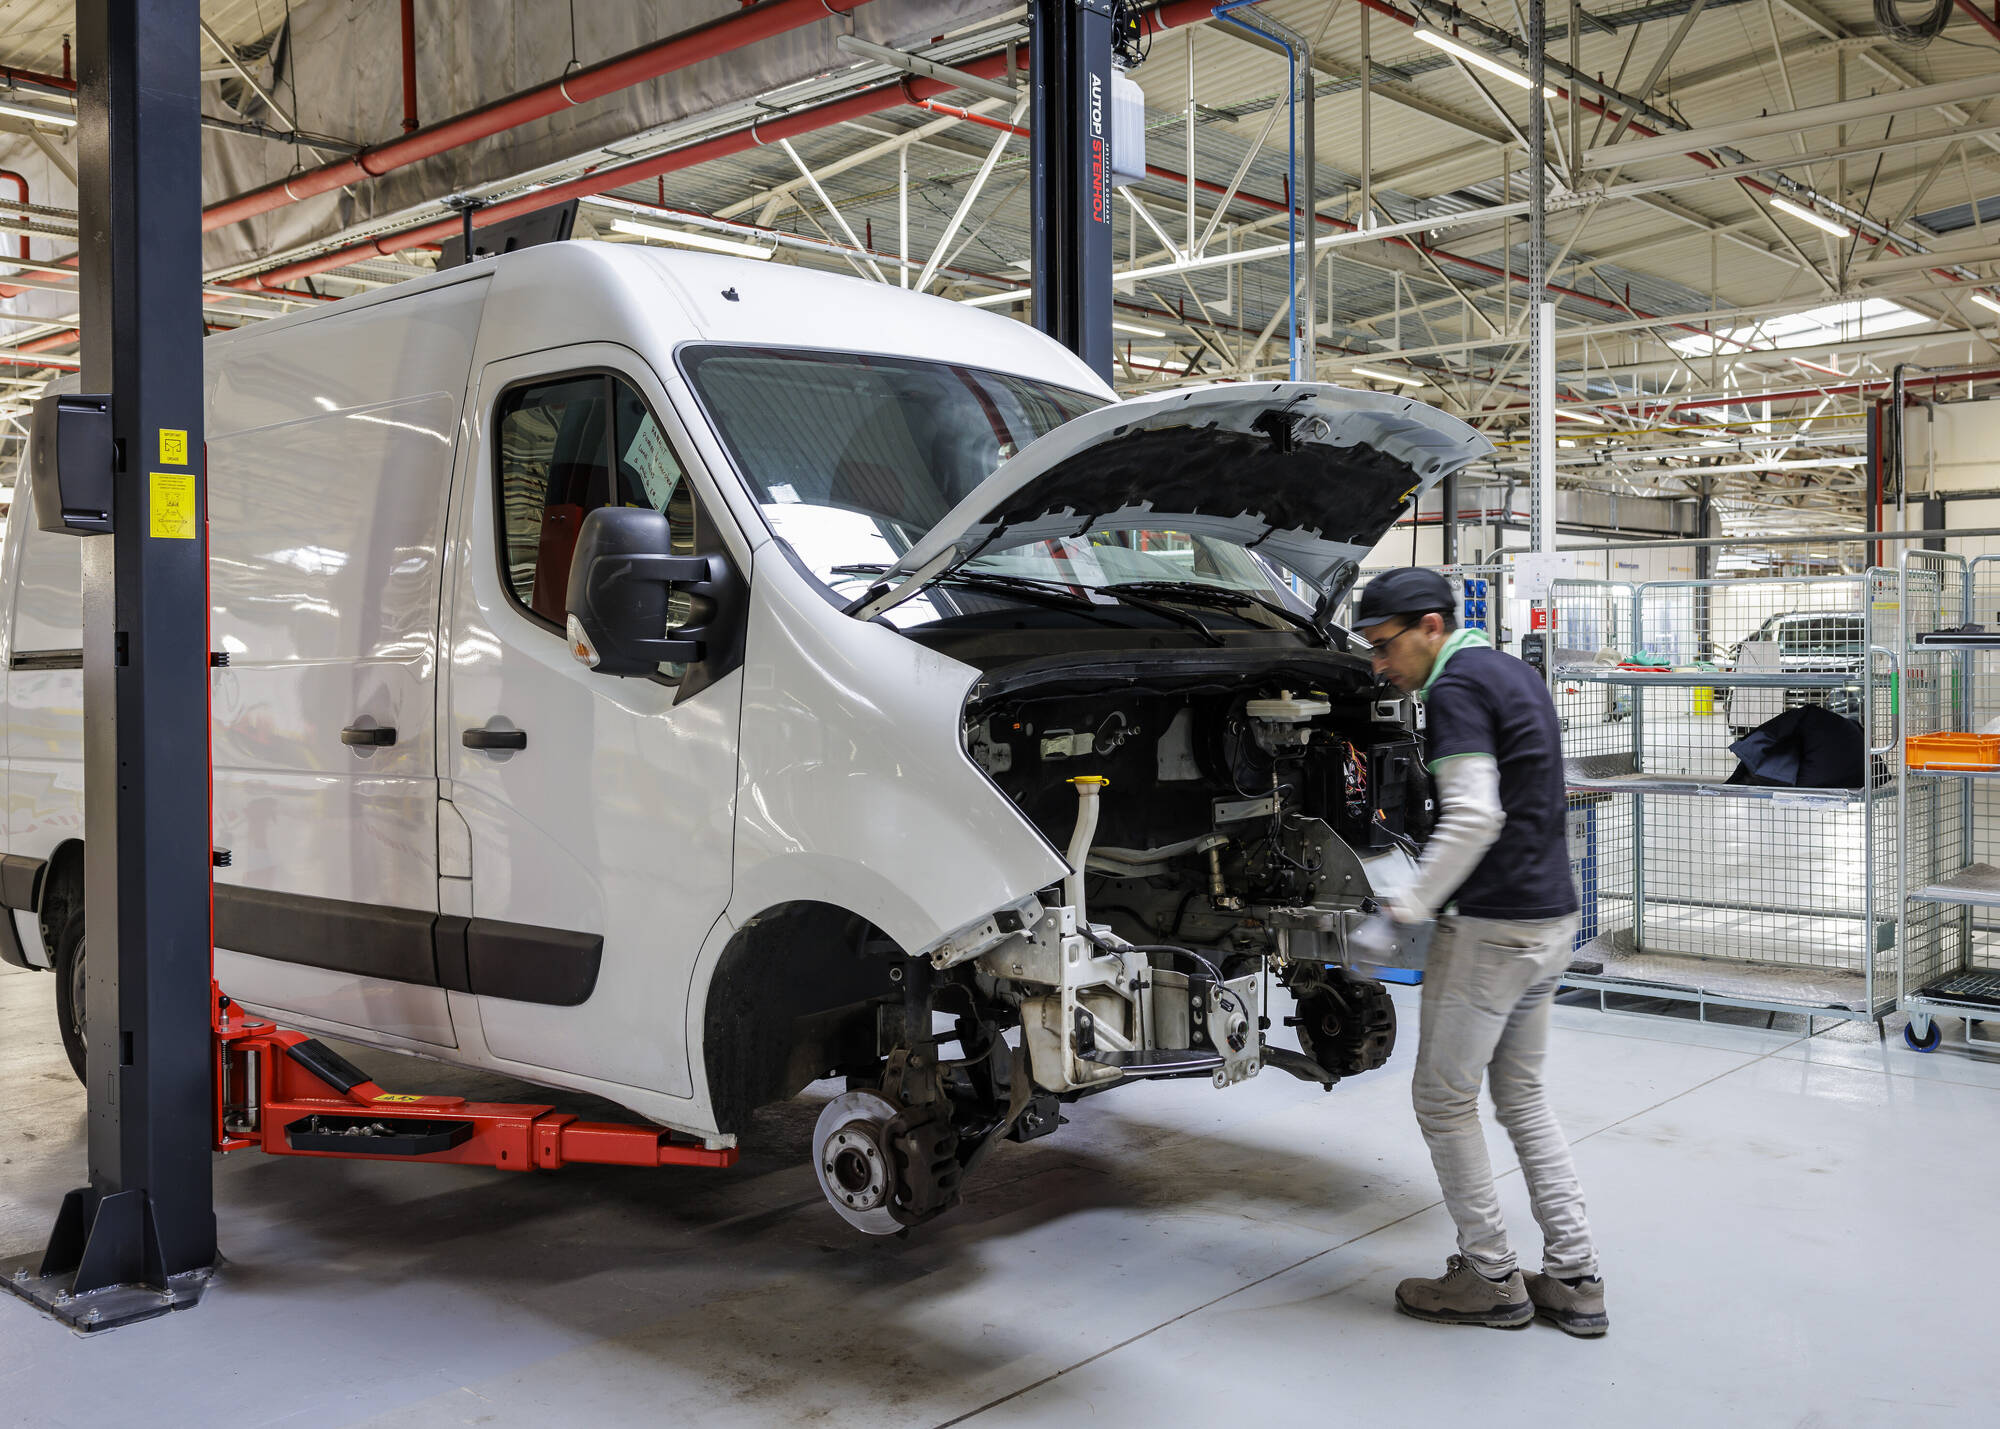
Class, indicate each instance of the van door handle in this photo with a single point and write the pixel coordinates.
(374, 736)
(494, 739)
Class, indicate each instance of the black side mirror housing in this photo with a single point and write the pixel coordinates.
(621, 584)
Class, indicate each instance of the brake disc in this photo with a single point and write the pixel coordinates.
(854, 1162)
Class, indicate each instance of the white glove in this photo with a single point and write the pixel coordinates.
(1375, 940)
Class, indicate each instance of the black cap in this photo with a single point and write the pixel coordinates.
(1408, 590)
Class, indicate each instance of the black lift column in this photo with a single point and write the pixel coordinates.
(1069, 72)
(139, 1238)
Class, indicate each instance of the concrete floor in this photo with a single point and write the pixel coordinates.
(1784, 1222)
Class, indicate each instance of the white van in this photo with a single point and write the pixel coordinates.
(683, 679)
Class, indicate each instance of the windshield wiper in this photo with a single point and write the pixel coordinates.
(1049, 593)
(1025, 585)
(1220, 597)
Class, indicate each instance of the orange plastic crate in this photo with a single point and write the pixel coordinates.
(1952, 751)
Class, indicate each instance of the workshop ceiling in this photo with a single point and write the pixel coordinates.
(1695, 317)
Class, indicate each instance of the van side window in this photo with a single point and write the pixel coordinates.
(564, 448)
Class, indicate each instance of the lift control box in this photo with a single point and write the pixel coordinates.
(71, 461)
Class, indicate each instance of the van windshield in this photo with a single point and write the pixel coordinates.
(855, 457)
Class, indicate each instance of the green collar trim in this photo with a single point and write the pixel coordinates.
(1458, 640)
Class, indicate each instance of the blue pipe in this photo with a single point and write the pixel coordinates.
(1221, 12)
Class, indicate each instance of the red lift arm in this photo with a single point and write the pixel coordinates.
(284, 1093)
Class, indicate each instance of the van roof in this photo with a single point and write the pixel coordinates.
(583, 290)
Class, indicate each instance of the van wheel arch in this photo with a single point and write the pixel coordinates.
(61, 895)
(792, 999)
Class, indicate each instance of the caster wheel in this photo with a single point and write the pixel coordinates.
(1926, 1044)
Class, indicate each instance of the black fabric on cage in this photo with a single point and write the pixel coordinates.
(1806, 748)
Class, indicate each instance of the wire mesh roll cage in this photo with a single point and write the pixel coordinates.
(1704, 888)
(1949, 888)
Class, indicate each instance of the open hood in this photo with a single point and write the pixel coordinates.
(1313, 475)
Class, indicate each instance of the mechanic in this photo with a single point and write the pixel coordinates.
(1494, 747)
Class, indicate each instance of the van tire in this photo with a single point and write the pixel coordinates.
(69, 971)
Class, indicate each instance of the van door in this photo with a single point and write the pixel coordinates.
(600, 810)
(330, 454)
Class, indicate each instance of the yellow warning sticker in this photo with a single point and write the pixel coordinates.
(173, 447)
(172, 505)
(397, 1097)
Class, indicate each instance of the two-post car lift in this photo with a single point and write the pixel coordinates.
(175, 1071)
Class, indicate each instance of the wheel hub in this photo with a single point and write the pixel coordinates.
(856, 1169)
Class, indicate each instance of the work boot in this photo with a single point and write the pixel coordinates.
(1574, 1309)
(1462, 1296)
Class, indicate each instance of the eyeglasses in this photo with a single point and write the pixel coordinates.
(1377, 649)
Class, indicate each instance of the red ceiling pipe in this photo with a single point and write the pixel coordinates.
(20, 184)
(718, 37)
(409, 66)
(954, 112)
(63, 82)
(16, 357)
(804, 121)
(919, 92)
(1278, 207)
(1988, 23)
(8, 175)
(1647, 131)
(1188, 12)
(1751, 399)
(912, 91)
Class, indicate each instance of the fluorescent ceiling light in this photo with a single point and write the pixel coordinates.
(1590, 417)
(1987, 300)
(1803, 464)
(1442, 41)
(1375, 374)
(709, 241)
(1800, 211)
(1134, 328)
(1824, 326)
(995, 300)
(40, 116)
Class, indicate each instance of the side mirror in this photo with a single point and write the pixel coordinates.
(625, 589)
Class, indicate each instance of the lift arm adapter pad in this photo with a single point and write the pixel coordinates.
(71, 463)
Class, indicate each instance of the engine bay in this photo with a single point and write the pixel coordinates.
(1229, 816)
(1244, 767)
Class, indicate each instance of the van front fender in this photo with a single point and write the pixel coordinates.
(855, 788)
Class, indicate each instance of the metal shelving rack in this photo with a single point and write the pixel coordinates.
(1950, 963)
(1717, 893)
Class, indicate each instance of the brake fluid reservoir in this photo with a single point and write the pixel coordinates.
(1281, 723)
